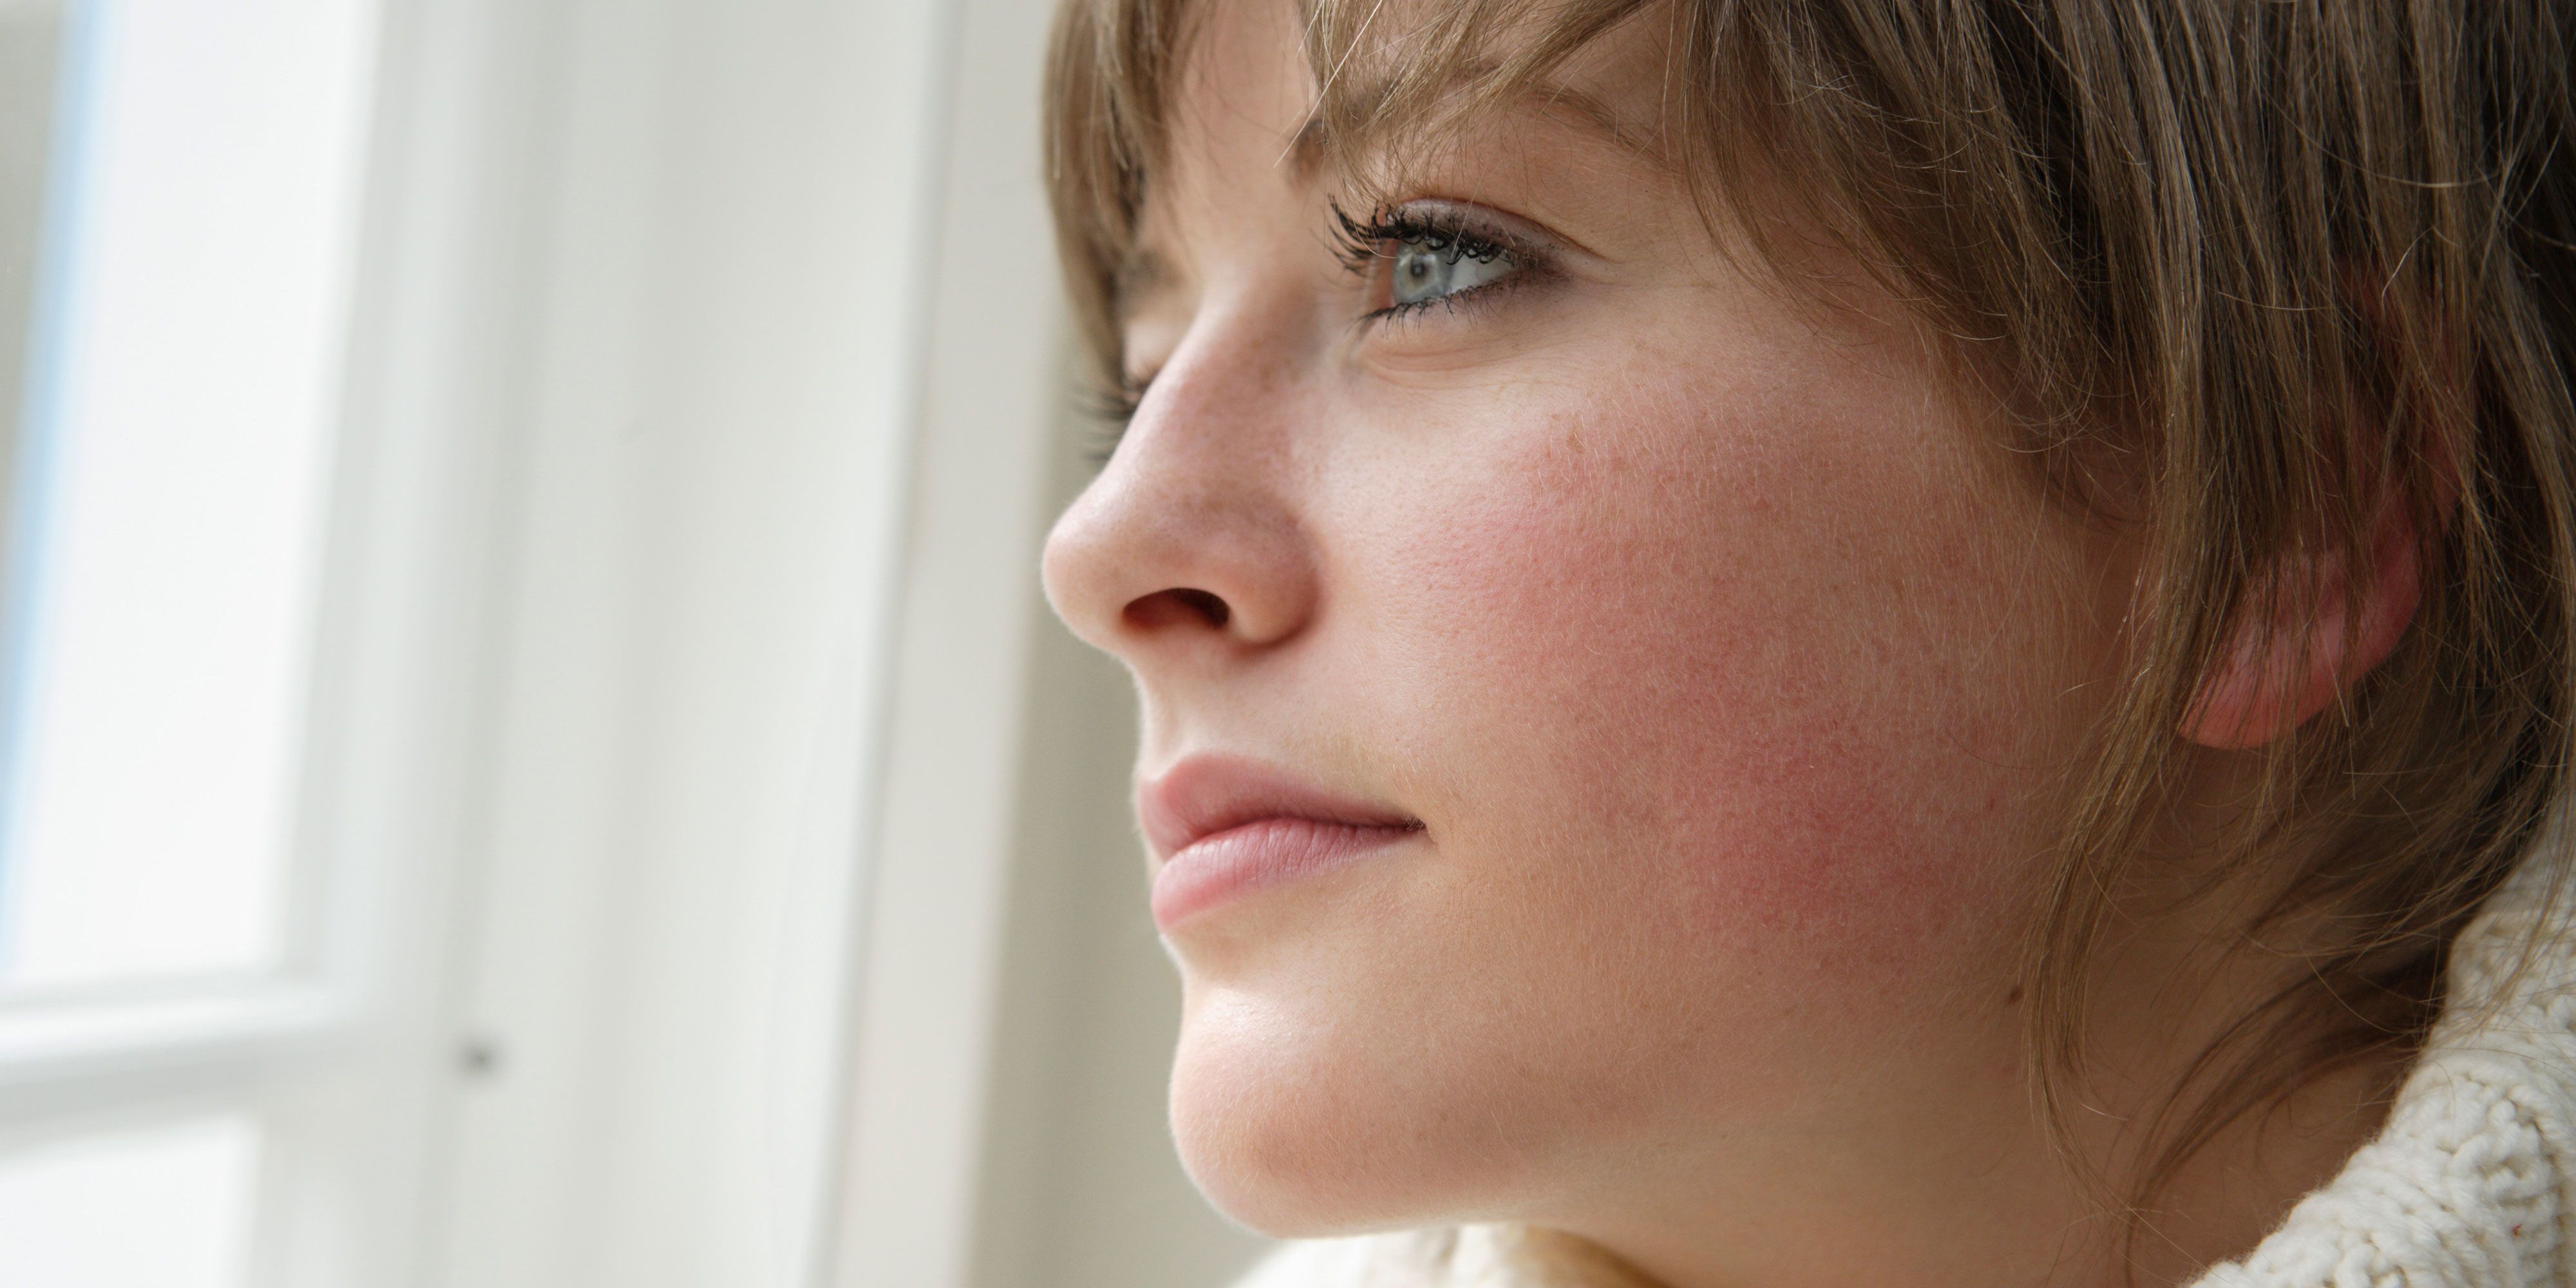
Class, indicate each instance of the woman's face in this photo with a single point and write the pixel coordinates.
(1641, 691)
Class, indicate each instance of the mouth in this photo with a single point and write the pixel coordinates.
(1224, 826)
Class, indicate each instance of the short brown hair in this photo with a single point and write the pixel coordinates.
(2274, 264)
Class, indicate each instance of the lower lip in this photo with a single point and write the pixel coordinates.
(1215, 869)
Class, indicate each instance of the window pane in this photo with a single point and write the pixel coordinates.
(173, 443)
(169, 1208)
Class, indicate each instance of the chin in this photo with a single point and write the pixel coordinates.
(1293, 1137)
(1235, 1161)
(1278, 1144)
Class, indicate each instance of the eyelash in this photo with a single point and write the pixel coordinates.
(1362, 244)
(1111, 407)
(1118, 402)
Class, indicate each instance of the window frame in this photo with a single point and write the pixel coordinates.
(459, 1075)
(341, 1054)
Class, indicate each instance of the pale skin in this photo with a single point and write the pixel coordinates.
(1727, 662)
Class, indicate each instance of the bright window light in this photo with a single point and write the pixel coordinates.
(168, 502)
(168, 1208)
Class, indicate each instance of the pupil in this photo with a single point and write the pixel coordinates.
(1418, 271)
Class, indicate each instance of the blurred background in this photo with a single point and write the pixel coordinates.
(531, 752)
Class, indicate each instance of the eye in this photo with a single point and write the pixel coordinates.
(1427, 253)
(1423, 269)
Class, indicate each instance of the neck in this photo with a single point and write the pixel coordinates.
(1965, 1187)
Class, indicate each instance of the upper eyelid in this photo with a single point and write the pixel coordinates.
(1510, 235)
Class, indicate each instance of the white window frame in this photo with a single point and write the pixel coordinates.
(665, 722)
(337, 1055)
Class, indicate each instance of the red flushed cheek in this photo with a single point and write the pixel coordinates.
(1825, 856)
(1804, 841)
(1658, 673)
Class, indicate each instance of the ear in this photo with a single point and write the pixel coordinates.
(2282, 672)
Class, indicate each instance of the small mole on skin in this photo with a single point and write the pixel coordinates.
(2013, 998)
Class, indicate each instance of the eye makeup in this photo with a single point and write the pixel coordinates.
(1419, 254)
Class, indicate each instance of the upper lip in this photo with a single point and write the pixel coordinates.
(1202, 795)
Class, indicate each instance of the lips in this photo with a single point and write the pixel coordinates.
(1221, 826)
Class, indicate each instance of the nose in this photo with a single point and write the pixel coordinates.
(1190, 545)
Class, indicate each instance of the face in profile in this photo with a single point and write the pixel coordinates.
(1601, 705)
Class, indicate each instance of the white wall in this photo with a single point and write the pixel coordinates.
(725, 343)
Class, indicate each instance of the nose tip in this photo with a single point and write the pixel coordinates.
(1148, 564)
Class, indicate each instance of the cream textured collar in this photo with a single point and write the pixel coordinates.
(2472, 1184)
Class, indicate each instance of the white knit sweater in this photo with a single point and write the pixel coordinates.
(2472, 1183)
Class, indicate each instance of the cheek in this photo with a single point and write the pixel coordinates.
(1731, 650)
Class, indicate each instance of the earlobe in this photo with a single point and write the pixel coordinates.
(2288, 665)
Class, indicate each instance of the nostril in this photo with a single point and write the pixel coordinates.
(1207, 605)
(1173, 607)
